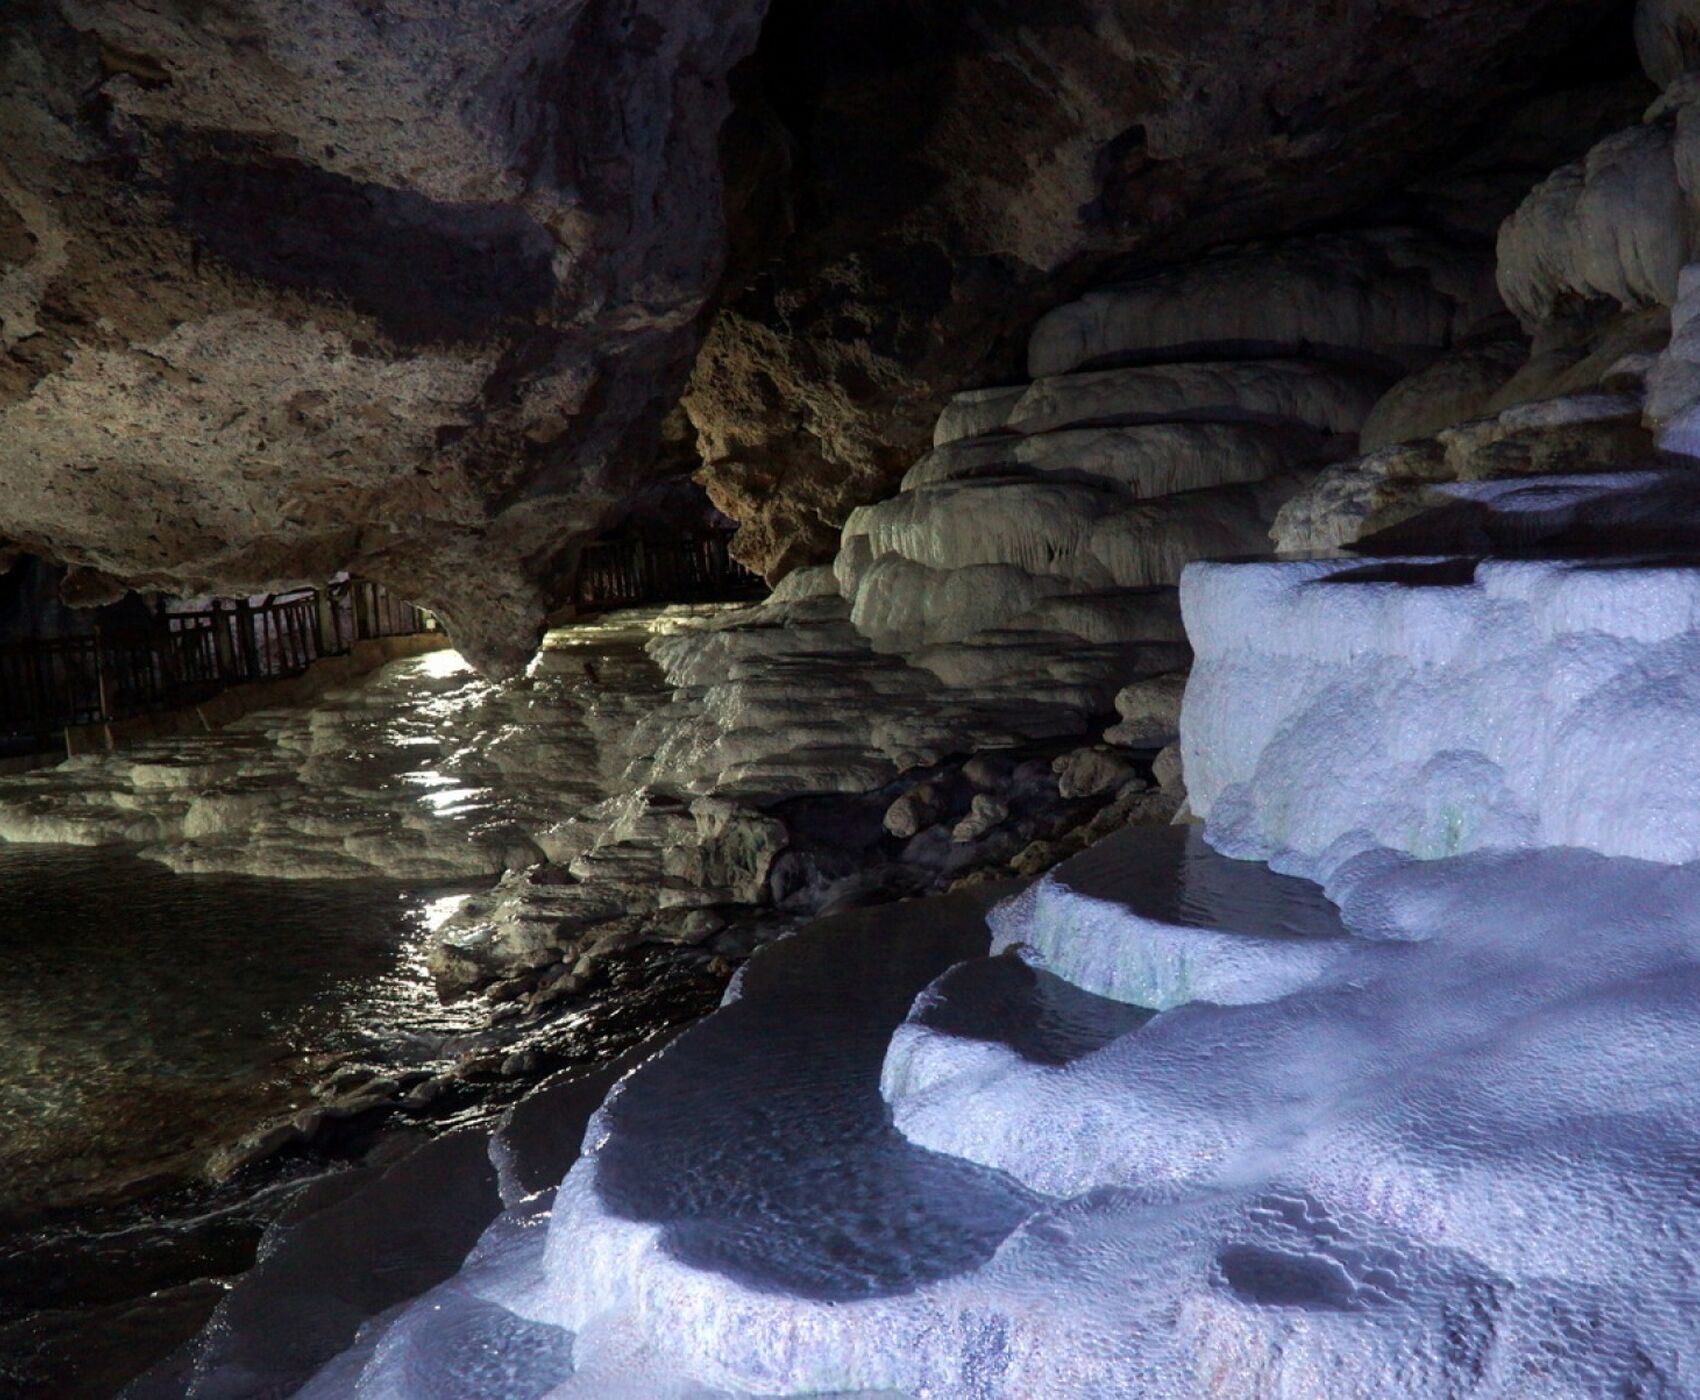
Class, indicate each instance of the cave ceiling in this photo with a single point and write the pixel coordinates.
(409, 287)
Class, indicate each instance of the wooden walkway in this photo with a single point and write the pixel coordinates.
(631, 573)
(51, 684)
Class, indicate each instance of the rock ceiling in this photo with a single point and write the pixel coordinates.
(409, 286)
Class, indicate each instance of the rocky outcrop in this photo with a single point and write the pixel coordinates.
(954, 172)
(1580, 445)
(404, 291)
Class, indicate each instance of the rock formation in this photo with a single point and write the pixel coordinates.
(288, 290)
(957, 169)
(1584, 439)
(410, 290)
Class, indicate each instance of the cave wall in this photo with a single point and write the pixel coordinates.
(292, 287)
(957, 168)
(287, 288)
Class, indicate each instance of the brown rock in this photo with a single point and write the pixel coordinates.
(405, 293)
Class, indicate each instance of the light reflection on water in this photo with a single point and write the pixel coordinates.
(146, 1015)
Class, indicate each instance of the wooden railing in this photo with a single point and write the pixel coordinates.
(50, 684)
(624, 573)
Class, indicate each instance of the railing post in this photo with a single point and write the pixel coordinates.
(330, 631)
(357, 592)
(224, 641)
(250, 652)
(105, 696)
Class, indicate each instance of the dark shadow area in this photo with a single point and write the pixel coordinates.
(1169, 875)
(1438, 573)
(762, 1145)
(424, 271)
(1042, 1018)
(1553, 518)
(1271, 1278)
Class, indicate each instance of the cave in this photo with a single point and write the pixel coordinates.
(942, 699)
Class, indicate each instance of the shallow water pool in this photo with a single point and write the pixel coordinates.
(146, 1017)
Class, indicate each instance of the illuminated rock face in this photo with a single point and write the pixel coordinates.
(1176, 1121)
(292, 288)
(1438, 707)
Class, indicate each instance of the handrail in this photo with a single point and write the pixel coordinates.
(624, 573)
(186, 656)
(49, 684)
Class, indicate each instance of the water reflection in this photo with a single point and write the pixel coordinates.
(145, 1016)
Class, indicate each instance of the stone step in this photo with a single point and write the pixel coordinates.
(1154, 917)
(1331, 398)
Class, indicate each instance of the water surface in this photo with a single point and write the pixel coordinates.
(146, 1017)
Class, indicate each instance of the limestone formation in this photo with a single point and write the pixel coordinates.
(1387, 293)
(424, 771)
(1023, 575)
(1150, 712)
(1328, 397)
(1457, 386)
(1363, 500)
(948, 181)
(1595, 263)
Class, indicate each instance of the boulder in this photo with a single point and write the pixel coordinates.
(1150, 712)
(984, 813)
(1090, 772)
(920, 807)
(1166, 769)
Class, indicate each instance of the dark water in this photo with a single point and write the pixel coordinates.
(146, 1016)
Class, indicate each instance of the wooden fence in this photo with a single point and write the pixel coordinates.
(624, 573)
(50, 684)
